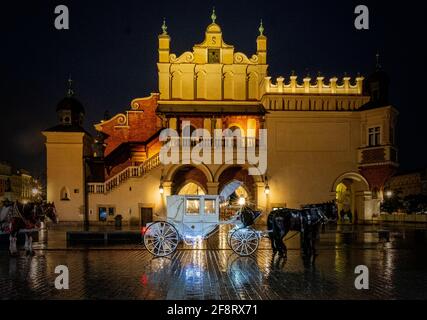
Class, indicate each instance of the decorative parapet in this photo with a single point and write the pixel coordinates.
(121, 120)
(320, 87)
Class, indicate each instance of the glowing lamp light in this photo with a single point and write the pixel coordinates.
(267, 190)
(35, 191)
(161, 190)
(242, 200)
(389, 193)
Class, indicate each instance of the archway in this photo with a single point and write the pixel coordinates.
(189, 179)
(191, 188)
(232, 173)
(353, 198)
(344, 197)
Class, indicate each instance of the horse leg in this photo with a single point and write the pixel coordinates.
(282, 241)
(277, 241)
(273, 245)
(303, 243)
(26, 242)
(12, 245)
(283, 252)
(30, 244)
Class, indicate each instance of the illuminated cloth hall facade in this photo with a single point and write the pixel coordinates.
(327, 139)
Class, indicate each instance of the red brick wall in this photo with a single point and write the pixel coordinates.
(142, 123)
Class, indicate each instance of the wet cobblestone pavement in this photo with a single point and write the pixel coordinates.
(397, 270)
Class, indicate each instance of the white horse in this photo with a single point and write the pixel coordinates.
(5, 226)
(15, 217)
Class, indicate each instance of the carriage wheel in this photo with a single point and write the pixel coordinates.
(244, 241)
(161, 238)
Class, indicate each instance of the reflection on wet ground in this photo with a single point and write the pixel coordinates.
(398, 269)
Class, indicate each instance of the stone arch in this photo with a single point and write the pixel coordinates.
(222, 168)
(179, 188)
(352, 176)
(171, 172)
(353, 197)
(240, 173)
(180, 175)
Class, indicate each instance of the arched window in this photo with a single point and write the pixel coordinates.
(65, 194)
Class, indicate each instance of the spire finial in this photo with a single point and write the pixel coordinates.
(213, 15)
(70, 90)
(261, 28)
(164, 27)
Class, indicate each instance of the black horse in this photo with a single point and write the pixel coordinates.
(307, 221)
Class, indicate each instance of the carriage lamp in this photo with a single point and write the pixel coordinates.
(242, 200)
(161, 190)
(389, 193)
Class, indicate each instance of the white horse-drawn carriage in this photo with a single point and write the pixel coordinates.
(192, 218)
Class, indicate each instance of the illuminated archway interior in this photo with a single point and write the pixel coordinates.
(191, 188)
(345, 203)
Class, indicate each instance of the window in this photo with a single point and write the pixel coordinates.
(374, 135)
(65, 194)
(192, 206)
(213, 56)
(209, 206)
(104, 212)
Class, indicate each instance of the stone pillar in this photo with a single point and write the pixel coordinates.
(167, 191)
(364, 206)
(261, 201)
(212, 187)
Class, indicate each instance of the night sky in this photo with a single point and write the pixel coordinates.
(111, 53)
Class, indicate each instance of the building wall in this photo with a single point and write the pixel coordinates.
(65, 172)
(307, 152)
(20, 181)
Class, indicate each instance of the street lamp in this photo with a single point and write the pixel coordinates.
(266, 187)
(161, 190)
(389, 193)
(242, 200)
(35, 191)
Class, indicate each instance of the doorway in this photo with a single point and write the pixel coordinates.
(146, 215)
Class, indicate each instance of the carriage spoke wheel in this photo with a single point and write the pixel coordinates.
(161, 239)
(244, 241)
